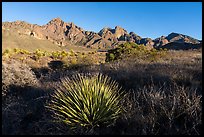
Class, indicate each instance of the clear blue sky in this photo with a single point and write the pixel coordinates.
(147, 19)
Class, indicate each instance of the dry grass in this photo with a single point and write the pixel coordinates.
(164, 111)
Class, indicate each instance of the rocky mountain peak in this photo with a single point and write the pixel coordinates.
(119, 31)
(180, 38)
(173, 35)
(132, 33)
(72, 25)
(118, 28)
(105, 29)
(56, 21)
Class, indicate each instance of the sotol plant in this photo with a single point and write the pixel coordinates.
(84, 101)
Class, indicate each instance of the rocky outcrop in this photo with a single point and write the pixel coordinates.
(56, 31)
(118, 32)
(134, 37)
(75, 34)
(21, 27)
(160, 41)
(177, 41)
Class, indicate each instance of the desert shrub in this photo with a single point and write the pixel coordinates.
(137, 51)
(59, 54)
(112, 56)
(10, 52)
(78, 62)
(65, 61)
(87, 60)
(6, 53)
(73, 61)
(23, 51)
(38, 54)
(22, 59)
(18, 74)
(16, 50)
(72, 53)
(26, 52)
(64, 54)
(155, 55)
(122, 49)
(88, 102)
(55, 55)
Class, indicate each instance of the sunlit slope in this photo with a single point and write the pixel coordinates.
(14, 40)
(11, 40)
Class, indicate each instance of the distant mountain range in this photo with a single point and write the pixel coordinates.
(65, 34)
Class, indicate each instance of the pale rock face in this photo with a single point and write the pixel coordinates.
(119, 32)
(161, 41)
(164, 42)
(106, 33)
(149, 44)
(38, 33)
(95, 38)
(187, 40)
(74, 33)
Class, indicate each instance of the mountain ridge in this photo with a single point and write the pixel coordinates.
(63, 34)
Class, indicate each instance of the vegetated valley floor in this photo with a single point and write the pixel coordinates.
(29, 77)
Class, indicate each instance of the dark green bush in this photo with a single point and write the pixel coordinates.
(132, 49)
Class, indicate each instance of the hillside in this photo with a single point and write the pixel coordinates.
(12, 39)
